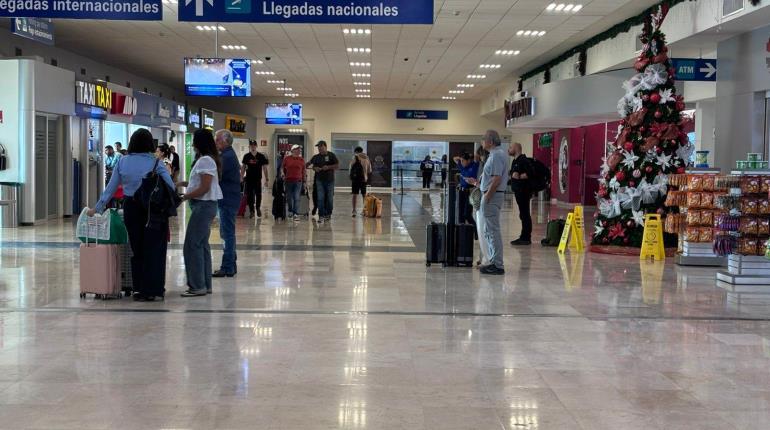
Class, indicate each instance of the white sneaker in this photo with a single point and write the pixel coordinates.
(296, 218)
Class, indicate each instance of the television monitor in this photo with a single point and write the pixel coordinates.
(217, 77)
(283, 113)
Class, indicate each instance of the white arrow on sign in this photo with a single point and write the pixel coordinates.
(709, 70)
(199, 5)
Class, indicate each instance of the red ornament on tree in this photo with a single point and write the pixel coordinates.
(648, 169)
(628, 146)
(620, 176)
(631, 184)
(658, 114)
(655, 98)
(680, 106)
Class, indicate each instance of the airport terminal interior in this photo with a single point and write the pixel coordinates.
(402, 288)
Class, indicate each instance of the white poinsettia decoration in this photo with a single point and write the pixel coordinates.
(663, 160)
(638, 217)
(630, 159)
(610, 207)
(666, 96)
(614, 184)
(633, 85)
(685, 152)
(598, 229)
(637, 104)
(650, 156)
(623, 107)
(654, 75)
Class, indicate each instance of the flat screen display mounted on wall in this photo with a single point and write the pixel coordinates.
(283, 113)
(217, 77)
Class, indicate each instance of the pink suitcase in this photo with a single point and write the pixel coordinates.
(100, 270)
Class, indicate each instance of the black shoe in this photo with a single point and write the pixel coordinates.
(142, 298)
(189, 293)
(492, 270)
(259, 213)
(221, 274)
(521, 242)
(251, 215)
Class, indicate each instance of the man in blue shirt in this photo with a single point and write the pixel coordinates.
(469, 169)
(492, 185)
(231, 200)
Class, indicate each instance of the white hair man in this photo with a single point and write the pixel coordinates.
(492, 186)
(231, 200)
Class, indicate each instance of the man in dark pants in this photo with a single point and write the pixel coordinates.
(230, 183)
(426, 167)
(469, 169)
(253, 168)
(521, 172)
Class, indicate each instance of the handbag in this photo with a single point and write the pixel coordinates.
(475, 198)
(157, 198)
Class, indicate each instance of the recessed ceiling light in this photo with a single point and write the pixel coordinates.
(551, 7)
(476, 76)
(296, 130)
(577, 8)
(361, 75)
(363, 96)
(357, 64)
(220, 28)
(363, 84)
(541, 34)
(363, 90)
(466, 85)
(530, 33)
(264, 73)
(490, 66)
(360, 50)
(284, 89)
(356, 31)
(448, 98)
(506, 52)
(274, 81)
(257, 62)
(456, 92)
(559, 7)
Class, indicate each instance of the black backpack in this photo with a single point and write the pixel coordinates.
(541, 175)
(156, 198)
(357, 171)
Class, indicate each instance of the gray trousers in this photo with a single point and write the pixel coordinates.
(197, 252)
(490, 213)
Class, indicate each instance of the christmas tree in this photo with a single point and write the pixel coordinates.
(650, 145)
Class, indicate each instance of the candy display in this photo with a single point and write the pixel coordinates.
(744, 228)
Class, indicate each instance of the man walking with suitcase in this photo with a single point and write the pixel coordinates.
(253, 169)
(230, 183)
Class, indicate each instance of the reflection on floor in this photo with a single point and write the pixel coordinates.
(341, 326)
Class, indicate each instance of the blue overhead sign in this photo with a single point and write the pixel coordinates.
(124, 10)
(37, 29)
(422, 114)
(308, 11)
(695, 69)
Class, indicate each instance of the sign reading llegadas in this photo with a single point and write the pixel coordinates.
(124, 10)
(87, 93)
(308, 11)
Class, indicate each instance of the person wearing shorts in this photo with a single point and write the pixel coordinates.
(360, 169)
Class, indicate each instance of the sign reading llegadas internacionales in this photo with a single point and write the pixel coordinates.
(135, 10)
(308, 11)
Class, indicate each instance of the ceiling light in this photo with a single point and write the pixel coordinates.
(199, 27)
(490, 66)
(220, 28)
(466, 85)
(356, 31)
(520, 33)
(507, 52)
(361, 75)
(363, 90)
(284, 89)
(292, 95)
(476, 76)
(357, 64)
(541, 34)
(274, 81)
(568, 7)
(577, 8)
(296, 130)
(363, 96)
(448, 98)
(362, 83)
(530, 33)
(264, 73)
(360, 50)
(551, 7)
(209, 28)
(559, 7)
(456, 92)
(257, 62)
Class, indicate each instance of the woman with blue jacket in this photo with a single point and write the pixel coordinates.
(148, 240)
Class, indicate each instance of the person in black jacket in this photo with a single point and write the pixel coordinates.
(426, 167)
(521, 172)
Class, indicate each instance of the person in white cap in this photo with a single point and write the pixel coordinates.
(293, 172)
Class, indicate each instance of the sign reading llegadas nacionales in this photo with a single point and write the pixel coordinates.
(308, 11)
(124, 10)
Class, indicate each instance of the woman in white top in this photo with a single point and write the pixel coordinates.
(203, 192)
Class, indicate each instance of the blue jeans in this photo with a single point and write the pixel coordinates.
(227, 232)
(293, 190)
(325, 192)
(197, 251)
(490, 213)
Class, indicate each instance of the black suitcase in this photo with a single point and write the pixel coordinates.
(435, 248)
(463, 241)
(279, 200)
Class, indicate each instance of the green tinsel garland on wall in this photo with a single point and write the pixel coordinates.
(611, 33)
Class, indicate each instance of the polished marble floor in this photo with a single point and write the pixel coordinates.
(341, 326)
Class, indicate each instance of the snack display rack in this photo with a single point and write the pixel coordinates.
(744, 234)
(694, 222)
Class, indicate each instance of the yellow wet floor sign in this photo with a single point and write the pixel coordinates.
(574, 232)
(652, 241)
